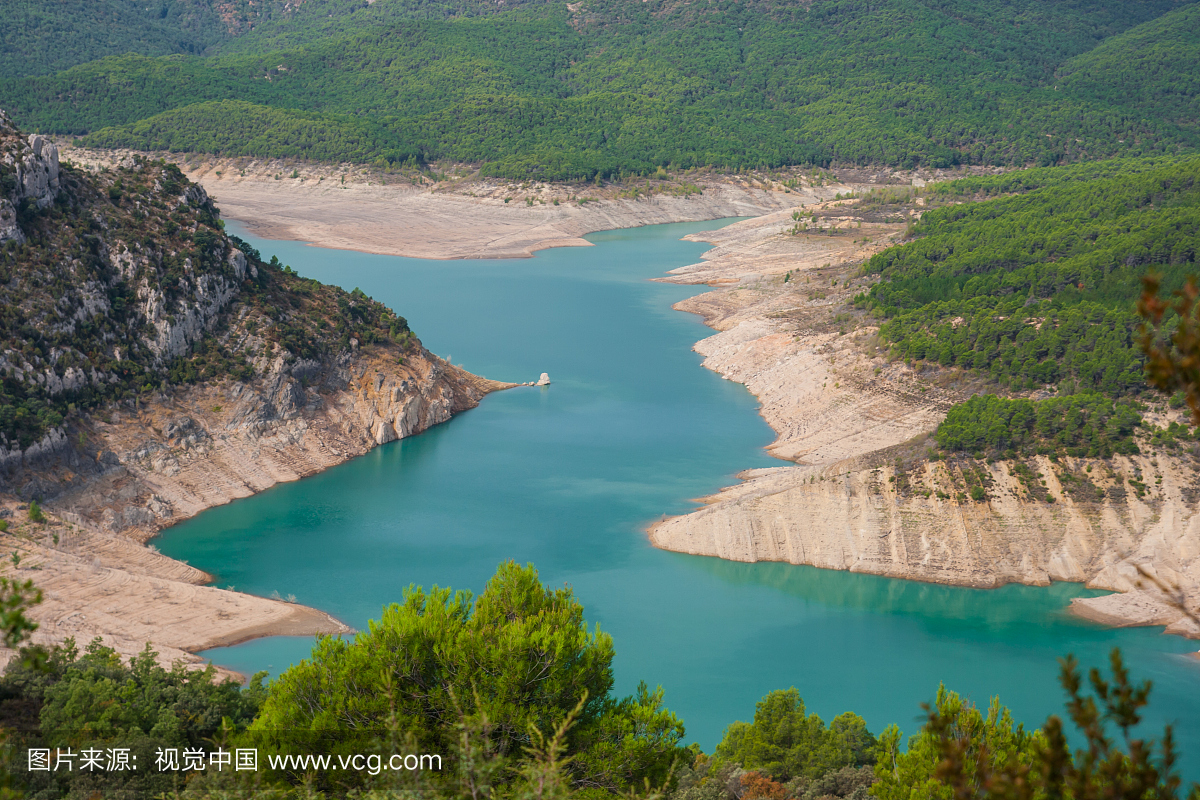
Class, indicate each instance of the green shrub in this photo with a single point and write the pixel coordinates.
(1088, 425)
(785, 741)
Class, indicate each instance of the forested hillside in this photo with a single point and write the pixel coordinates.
(1149, 70)
(1039, 288)
(615, 87)
(1036, 290)
(38, 37)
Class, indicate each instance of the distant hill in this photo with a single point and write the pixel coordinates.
(1150, 70)
(613, 87)
(38, 37)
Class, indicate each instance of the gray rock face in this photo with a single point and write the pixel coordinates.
(30, 173)
(176, 328)
(38, 175)
(9, 229)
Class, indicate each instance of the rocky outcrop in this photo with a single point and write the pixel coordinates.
(128, 272)
(154, 367)
(29, 173)
(114, 479)
(179, 325)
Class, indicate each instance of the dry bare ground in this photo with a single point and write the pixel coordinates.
(412, 214)
(108, 585)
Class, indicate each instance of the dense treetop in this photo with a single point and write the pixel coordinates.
(517, 658)
(1146, 70)
(512, 691)
(1089, 425)
(785, 741)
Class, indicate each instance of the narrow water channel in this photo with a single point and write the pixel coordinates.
(567, 476)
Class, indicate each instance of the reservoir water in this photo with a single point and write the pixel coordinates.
(567, 477)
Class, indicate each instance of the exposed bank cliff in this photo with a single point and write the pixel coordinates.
(123, 474)
(177, 454)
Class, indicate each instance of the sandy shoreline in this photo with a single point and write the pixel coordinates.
(349, 208)
(112, 587)
(396, 221)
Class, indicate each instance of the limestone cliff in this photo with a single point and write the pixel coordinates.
(918, 525)
(148, 467)
(107, 280)
(121, 292)
(29, 177)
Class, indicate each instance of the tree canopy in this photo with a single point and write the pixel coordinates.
(1039, 287)
(517, 659)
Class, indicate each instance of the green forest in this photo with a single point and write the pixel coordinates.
(512, 690)
(38, 38)
(1037, 289)
(615, 87)
(1083, 426)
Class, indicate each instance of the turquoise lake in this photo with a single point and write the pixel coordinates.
(568, 476)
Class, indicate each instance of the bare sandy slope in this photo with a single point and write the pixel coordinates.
(816, 384)
(112, 587)
(859, 494)
(410, 222)
(352, 209)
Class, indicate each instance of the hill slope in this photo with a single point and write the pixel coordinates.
(1149, 70)
(119, 289)
(1039, 288)
(38, 37)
